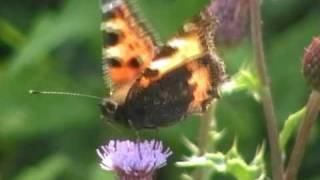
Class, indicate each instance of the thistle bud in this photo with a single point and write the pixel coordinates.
(233, 20)
(311, 64)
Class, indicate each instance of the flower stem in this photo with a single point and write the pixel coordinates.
(271, 121)
(304, 131)
(206, 125)
(128, 177)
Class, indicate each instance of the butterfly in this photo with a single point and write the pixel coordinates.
(154, 84)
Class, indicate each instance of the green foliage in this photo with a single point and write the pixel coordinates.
(244, 80)
(98, 174)
(49, 169)
(52, 30)
(10, 35)
(230, 163)
(167, 10)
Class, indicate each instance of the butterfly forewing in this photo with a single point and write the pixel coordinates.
(127, 47)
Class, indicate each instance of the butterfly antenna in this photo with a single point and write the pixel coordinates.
(63, 93)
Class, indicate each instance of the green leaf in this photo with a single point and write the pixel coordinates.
(240, 169)
(10, 34)
(290, 126)
(195, 161)
(231, 163)
(246, 80)
(218, 160)
(190, 145)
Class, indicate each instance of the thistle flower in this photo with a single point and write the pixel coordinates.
(233, 20)
(311, 64)
(133, 160)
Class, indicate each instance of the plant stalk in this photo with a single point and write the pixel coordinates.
(308, 122)
(271, 121)
(206, 125)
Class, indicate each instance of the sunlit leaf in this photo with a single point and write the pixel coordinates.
(290, 127)
(232, 163)
(244, 80)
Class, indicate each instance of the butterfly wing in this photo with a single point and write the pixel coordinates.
(182, 79)
(128, 46)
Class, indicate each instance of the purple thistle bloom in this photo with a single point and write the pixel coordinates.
(133, 160)
(233, 20)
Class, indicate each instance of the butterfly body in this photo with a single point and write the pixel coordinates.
(155, 85)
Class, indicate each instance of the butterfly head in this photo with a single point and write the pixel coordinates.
(112, 111)
(109, 109)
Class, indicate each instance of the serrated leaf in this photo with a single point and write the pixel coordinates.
(258, 159)
(216, 135)
(244, 80)
(231, 163)
(218, 160)
(239, 169)
(195, 161)
(191, 146)
(233, 152)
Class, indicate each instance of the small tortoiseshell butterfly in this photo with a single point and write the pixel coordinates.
(152, 84)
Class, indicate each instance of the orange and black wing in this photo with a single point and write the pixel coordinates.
(128, 45)
(191, 49)
(183, 78)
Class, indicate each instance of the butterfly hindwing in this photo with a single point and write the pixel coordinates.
(187, 89)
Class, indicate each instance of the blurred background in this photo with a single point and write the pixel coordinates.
(56, 45)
